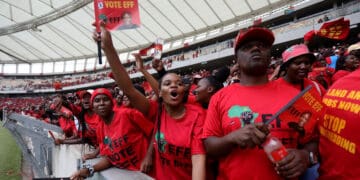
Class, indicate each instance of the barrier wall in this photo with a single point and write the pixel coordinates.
(50, 161)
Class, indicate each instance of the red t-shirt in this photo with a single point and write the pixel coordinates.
(319, 88)
(235, 106)
(339, 130)
(66, 122)
(338, 75)
(192, 88)
(153, 108)
(117, 107)
(192, 100)
(125, 140)
(179, 140)
(325, 72)
(91, 122)
(76, 109)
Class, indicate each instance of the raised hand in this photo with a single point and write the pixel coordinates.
(104, 36)
(157, 64)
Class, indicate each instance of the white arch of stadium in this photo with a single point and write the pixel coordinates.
(54, 36)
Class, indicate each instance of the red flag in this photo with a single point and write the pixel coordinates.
(154, 50)
(310, 102)
(144, 51)
(118, 14)
(304, 113)
(158, 48)
(301, 114)
(309, 35)
(338, 29)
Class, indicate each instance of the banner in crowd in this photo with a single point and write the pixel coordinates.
(307, 108)
(118, 14)
(307, 103)
(338, 29)
(154, 50)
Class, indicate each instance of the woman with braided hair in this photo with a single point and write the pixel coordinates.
(179, 151)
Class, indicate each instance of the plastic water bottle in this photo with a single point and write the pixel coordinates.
(274, 149)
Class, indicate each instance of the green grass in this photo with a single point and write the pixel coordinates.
(10, 156)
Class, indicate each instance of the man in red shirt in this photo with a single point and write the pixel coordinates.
(236, 113)
(339, 137)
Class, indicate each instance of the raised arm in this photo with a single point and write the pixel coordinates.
(121, 77)
(149, 78)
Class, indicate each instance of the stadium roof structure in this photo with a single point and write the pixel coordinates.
(41, 31)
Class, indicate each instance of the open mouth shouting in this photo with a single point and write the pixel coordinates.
(174, 95)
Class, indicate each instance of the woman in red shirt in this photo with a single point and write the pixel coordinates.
(122, 136)
(297, 61)
(209, 85)
(346, 65)
(179, 151)
(88, 122)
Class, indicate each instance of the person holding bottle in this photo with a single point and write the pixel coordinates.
(234, 128)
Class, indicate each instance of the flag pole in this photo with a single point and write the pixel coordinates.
(293, 100)
(99, 49)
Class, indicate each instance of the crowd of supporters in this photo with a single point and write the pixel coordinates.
(328, 62)
(11, 84)
(210, 123)
(213, 123)
(29, 84)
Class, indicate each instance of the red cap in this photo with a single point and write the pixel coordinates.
(254, 33)
(309, 35)
(82, 93)
(296, 51)
(100, 91)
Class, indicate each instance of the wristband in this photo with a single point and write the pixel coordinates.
(312, 159)
(90, 169)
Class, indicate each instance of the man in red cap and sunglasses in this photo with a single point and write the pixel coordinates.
(234, 128)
